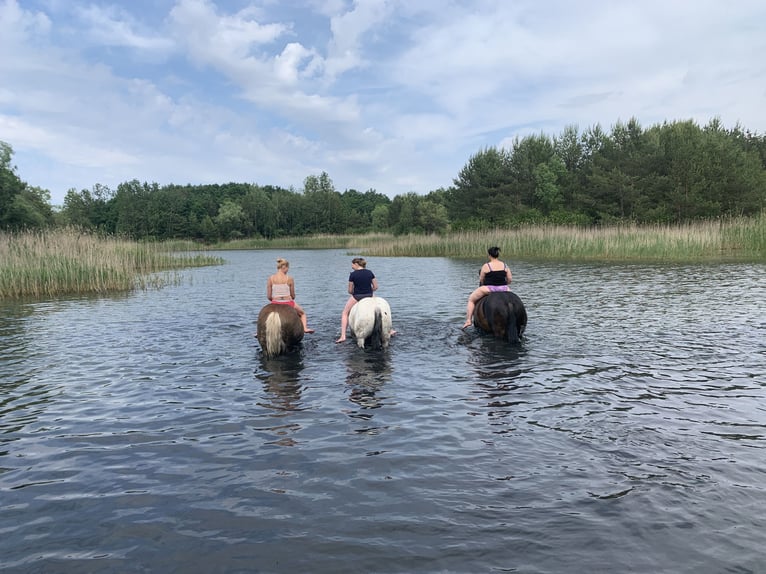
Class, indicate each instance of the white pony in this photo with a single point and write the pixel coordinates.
(370, 322)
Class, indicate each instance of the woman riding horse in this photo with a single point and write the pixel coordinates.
(280, 289)
(494, 276)
(281, 323)
(361, 285)
(492, 307)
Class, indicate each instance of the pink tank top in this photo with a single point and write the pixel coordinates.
(280, 291)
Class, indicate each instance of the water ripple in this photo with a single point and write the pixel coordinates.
(146, 432)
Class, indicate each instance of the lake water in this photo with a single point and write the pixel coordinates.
(627, 433)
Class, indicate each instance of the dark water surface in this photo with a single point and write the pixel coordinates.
(144, 433)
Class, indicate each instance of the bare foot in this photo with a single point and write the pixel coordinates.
(467, 324)
(309, 331)
(341, 340)
(392, 333)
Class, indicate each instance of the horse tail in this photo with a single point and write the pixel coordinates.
(273, 337)
(376, 337)
(511, 326)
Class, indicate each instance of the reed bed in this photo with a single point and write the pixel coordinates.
(742, 239)
(66, 261)
(566, 243)
(318, 241)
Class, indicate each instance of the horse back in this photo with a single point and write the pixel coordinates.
(370, 322)
(501, 314)
(279, 328)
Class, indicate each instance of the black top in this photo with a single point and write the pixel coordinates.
(496, 277)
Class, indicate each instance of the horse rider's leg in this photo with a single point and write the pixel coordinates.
(344, 319)
(477, 294)
(304, 319)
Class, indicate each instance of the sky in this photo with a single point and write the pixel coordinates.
(389, 95)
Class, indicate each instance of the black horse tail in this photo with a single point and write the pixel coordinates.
(376, 337)
(511, 326)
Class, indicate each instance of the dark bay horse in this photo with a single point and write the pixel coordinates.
(279, 329)
(370, 322)
(502, 314)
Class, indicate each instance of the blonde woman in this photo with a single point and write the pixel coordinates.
(280, 289)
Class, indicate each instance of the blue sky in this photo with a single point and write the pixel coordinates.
(391, 95)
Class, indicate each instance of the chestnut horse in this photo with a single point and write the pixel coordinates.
(279, 329)
(370, 322)
(502, 314)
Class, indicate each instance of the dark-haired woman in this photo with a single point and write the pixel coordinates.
(494, 276)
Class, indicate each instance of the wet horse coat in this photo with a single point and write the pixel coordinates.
(370, 322)
(279, 329)
(502, 314)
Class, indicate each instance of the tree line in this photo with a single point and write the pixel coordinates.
(672, 172)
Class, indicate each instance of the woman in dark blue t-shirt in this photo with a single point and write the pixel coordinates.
(361, 284)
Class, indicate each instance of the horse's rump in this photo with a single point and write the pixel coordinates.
(370, 322)
(501, 314)
(279, 329)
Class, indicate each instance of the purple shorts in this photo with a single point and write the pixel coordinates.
(498, 288)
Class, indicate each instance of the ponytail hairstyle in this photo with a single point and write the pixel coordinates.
(282, 263)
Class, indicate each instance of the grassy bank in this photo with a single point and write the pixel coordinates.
(66, 261)
(321, 241)
(731, 240)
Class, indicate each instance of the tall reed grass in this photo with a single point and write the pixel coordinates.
(318, 241)
(742, 239)
(67, 261)
(624, 243)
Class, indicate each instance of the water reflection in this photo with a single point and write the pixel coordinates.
(495, 360)
(450, 441)
(500, 378)
(281, 381)
(366, 374)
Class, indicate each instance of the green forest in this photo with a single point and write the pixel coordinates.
(674, 172)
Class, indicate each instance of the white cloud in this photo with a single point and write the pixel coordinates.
(16, 23)
(220, 40)
(348, 31)
(287, 65)
(381, 94)
(113, 26)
